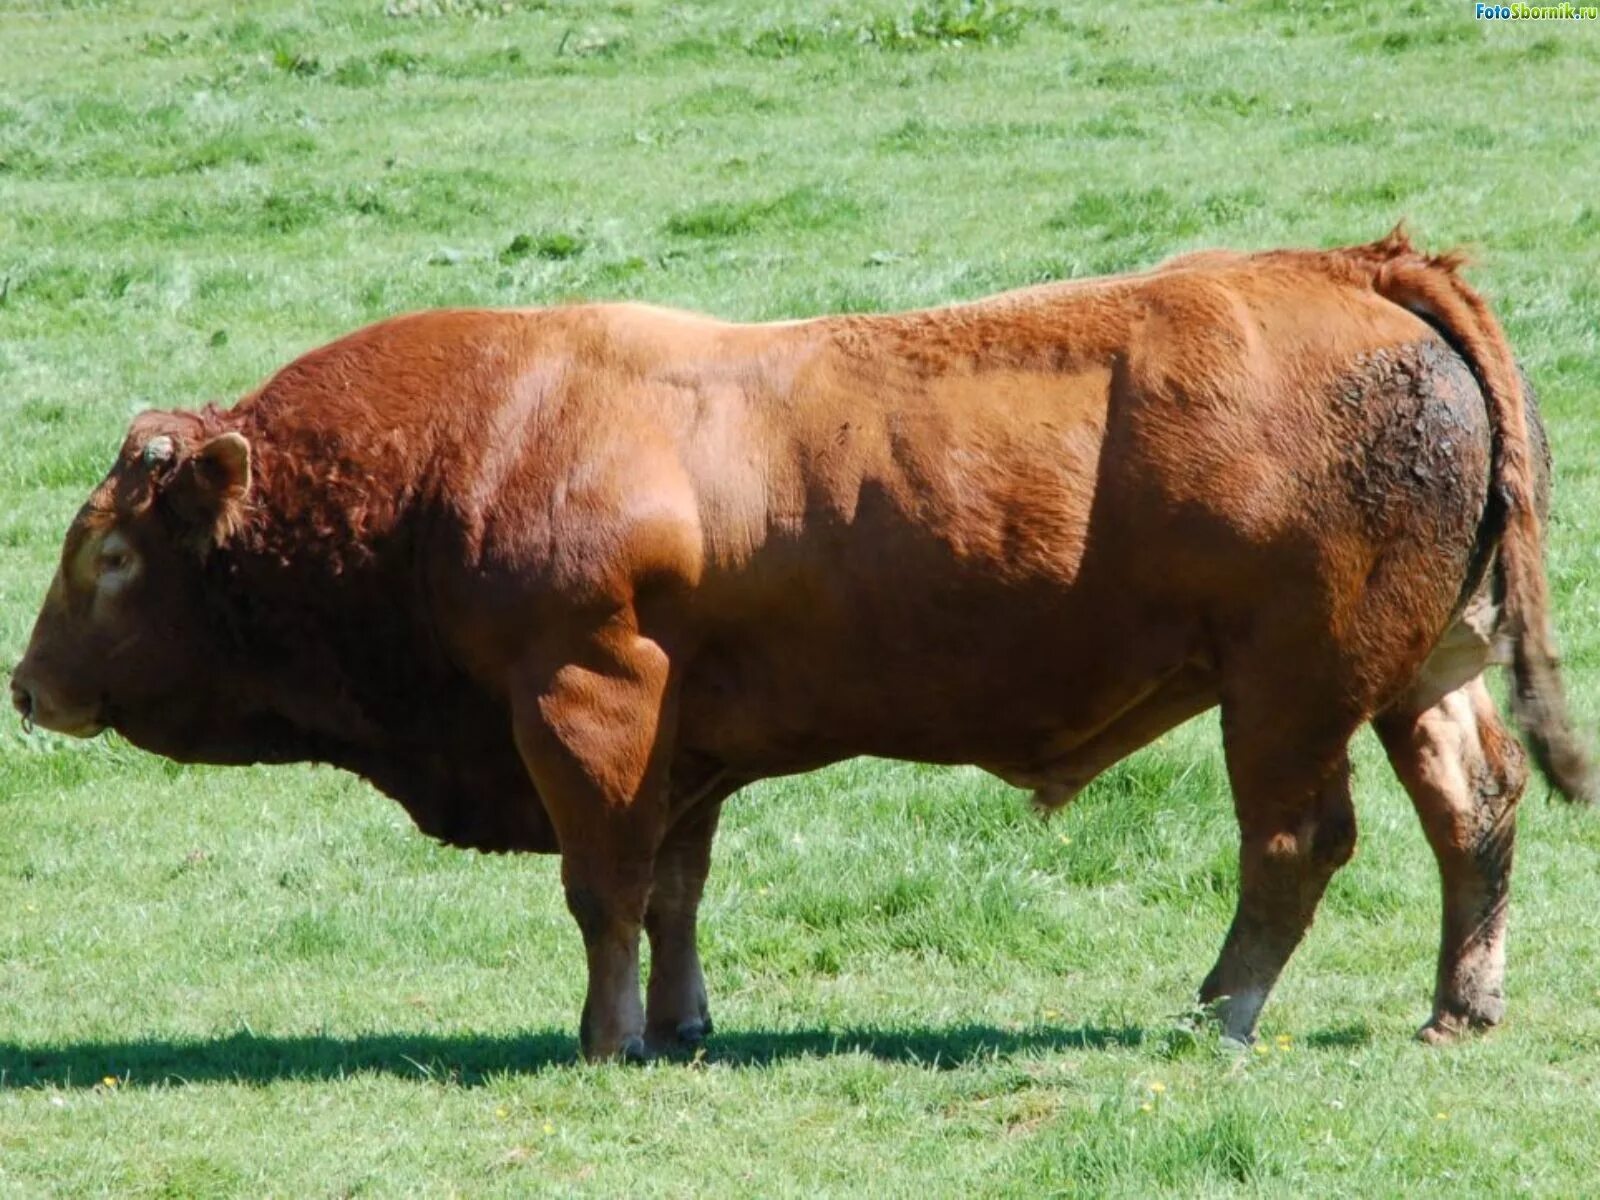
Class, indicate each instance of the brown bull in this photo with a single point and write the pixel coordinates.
(564, 579)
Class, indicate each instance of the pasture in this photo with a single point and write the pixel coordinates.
(264, 981)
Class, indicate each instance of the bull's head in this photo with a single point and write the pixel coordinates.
(122, 634)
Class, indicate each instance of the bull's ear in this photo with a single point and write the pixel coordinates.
(209, 490)
(223, 466)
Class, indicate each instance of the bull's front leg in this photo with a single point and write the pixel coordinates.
(677, 1014)
(594, 725)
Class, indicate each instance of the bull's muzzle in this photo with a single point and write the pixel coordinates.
(36, 707)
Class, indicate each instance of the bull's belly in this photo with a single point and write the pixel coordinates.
(1051, 713)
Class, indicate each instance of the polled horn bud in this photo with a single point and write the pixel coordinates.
(158, 450)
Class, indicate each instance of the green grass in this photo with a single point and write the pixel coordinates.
(921, 989)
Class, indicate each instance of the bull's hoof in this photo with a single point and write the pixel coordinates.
(683, 1038)
(692, 1033)
(1438, 1032)
(630, 1050)
(1233, 1016)
(1446, 1028)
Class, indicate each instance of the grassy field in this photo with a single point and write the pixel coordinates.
(259, 981)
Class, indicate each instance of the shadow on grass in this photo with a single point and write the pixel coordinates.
(1342, 1037)
(469, 1061)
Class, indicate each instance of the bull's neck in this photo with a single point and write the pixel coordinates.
(317, 593)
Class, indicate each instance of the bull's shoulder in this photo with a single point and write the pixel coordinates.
(561, 537)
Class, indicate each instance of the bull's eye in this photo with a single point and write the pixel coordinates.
(113, 562)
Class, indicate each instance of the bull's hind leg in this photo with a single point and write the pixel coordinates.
(1291, 790)
(1465, 774)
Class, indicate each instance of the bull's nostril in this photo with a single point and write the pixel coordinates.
(22, 699)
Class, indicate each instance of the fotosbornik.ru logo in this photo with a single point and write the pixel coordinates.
(1538, 12)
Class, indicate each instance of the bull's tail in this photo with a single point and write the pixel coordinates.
(1429, 286)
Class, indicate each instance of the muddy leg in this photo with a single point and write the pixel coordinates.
(1465, 774)
(1297, 827)
(676, 1010)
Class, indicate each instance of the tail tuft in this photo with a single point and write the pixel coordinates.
(1539, 708)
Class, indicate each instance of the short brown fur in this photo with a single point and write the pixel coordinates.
(565, 579)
